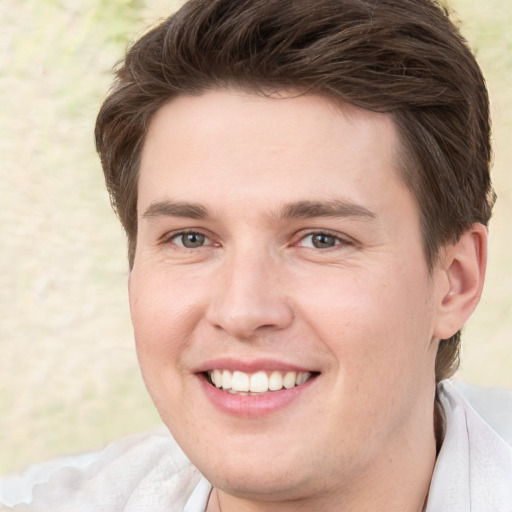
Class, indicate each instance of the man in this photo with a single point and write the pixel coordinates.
(305, 189)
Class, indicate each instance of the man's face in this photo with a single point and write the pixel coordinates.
(277, 245)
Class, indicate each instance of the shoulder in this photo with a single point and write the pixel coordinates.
(473, 470)
(146, 471)
(493, 405)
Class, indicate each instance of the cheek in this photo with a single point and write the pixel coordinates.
(377, 325)
(163, 317)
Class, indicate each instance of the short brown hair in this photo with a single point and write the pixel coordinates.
(401, 57)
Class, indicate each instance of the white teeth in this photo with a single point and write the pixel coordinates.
(275, 382)
(289, 380)
(240, 381)
(227, 379)
(259, 382)
(217, 378)
(302, 377)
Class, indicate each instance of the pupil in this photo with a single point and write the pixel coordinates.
(322, 241)
(191, 240)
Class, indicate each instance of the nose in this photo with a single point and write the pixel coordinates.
(250, 299)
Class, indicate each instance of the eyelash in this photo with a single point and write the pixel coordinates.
(171, 237)
(338, 240)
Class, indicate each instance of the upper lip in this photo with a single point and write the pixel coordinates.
(250, 366)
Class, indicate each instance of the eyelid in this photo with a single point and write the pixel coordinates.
(343, 240)
(168, 237)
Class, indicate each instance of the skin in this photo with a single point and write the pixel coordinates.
(364, 314)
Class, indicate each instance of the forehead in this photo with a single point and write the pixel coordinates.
(298, 141)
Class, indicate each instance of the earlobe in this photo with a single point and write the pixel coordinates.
(464, 266)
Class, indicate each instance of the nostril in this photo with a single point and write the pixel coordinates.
(246, 318)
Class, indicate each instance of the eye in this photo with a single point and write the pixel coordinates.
(320, 241)
(190, 240)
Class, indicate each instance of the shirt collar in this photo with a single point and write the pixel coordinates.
(473, 471)
(198, 500)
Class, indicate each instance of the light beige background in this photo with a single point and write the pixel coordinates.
(69, 380)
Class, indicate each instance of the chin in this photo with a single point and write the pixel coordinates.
(260, 485)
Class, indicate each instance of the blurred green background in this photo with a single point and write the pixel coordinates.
(69, 380)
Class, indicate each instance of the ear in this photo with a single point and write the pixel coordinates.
(463, 268)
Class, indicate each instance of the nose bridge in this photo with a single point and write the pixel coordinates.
(251, 295)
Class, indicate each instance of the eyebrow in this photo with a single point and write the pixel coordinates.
(294, 210)
(333, 208)
(175, 209)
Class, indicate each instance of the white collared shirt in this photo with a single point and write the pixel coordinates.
(473, 471)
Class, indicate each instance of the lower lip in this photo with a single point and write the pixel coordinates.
(252, 406)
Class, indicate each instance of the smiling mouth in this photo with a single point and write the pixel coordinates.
(257, 383)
